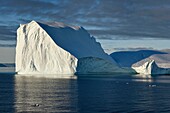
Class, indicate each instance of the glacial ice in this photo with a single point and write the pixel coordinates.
(37, 53)
(60, 49)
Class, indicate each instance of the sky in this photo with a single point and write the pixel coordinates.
(114, 23)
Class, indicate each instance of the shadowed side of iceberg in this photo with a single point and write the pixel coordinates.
(94, 65)
(77, 41)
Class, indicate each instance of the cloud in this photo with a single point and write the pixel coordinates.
(111, 50)
(106, 19)
(7, 33)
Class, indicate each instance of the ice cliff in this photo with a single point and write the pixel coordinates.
(60, 49)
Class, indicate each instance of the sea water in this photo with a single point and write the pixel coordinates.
(85, 94)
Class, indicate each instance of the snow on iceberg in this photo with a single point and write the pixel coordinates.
(57, 48)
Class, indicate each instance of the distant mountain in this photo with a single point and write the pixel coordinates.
(7, 65)
(2, 65)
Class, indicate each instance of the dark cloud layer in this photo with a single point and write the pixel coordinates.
(106, 19)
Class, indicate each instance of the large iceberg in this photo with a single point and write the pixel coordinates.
(60, 49)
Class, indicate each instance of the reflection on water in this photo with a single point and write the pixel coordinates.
(86, 94)
(54, 76)
(151, 78)
(142, 78)
(44, 94)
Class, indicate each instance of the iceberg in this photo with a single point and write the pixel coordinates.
(57, 48)
(150, 67)
(155, 64)
(144, 61)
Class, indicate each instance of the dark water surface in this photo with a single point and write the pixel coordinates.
(86, 94)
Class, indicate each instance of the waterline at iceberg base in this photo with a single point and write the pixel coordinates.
(63, 49)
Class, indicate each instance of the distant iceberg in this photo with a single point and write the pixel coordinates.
(144, 61)
(150, 67)
(60, 49)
